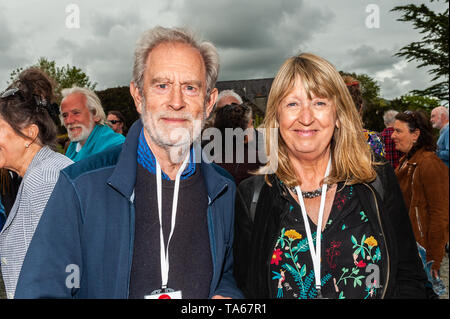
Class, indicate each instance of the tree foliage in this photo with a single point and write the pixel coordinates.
(414, 103)
(119, 99)
(374, 105)
(432, 50)
(65, 76)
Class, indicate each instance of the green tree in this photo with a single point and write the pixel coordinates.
(414, 103)
(374, 106)
(119, 99)
(65, 76)
(432, 50)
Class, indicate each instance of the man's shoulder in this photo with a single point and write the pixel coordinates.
(222, 172)
(99, 161)
(108, 136)
(445, 130)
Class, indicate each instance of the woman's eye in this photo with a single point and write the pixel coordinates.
(292, 104)
(321, 103)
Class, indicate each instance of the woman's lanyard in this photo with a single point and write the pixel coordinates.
(315, 252)
(164, 251)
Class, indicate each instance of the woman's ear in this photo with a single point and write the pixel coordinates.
(416, 134)
(31, 131)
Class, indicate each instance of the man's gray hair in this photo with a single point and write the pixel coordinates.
(93, 103)
(226, 93)
(155, 36)
(389, 117)
(442, 110)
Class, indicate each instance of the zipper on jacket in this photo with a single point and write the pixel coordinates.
(419, 225)
(384, 241)
(130, 260)
(211, 241)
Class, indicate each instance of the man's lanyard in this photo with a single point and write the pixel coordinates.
(164, 251)
(315, 252)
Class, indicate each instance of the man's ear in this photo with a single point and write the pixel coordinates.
(211, 101)
(96, 119)
(134, 91)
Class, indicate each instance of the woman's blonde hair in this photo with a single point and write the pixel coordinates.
(352, 160)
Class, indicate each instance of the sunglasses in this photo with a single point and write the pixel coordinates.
(17, 92)
(52, 108)
(11, 93)
(115, 121)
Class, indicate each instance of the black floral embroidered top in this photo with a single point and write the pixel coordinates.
(350, 256)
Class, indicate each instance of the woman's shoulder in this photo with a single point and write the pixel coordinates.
(47, 165)
(425, 158)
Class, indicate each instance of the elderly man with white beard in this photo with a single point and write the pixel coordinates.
(83, 116)
(115, 220)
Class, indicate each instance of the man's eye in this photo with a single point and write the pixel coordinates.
(162, 86)
(191, 90)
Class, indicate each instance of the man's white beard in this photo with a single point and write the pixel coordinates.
(83, 136)
(176, 141)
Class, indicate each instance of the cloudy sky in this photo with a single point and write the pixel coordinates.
(253, 37)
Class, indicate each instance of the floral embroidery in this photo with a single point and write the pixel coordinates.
(366, 252)
(363, 216)
(276, 256)
(357, 280)
(333, 252)
(372, 242)
(292, 234)
(349, 248)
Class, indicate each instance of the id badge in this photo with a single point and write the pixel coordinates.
(167, 293)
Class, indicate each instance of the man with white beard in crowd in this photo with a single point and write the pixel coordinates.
(84, 118)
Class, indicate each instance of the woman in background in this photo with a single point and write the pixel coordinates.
(27, 135)
(423, 178)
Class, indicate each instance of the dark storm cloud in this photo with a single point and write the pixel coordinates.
(10, 57)
(254, 37)
(370, 60)
(102, 23)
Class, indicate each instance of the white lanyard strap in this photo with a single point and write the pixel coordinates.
(164, 251)
(315, 252)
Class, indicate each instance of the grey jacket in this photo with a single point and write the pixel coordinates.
(32, 196)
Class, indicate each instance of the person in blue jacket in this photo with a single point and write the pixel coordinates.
(151, 218)
(439, 120)
(83, 116)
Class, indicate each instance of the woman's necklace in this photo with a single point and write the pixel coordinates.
(312, 194)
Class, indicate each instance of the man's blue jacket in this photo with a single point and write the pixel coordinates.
(83, 245)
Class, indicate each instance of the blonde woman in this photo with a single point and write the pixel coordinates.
(329, 221)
